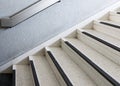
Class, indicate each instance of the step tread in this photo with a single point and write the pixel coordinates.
(105, 64)
(77, 77)
(105, 37)
(24, 75)
(44, 72)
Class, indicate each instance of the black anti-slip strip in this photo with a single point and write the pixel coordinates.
(64, 76)
(109, 24)
(13, 80)
(98, 69)
(102, 41)
(118, 12)
(34, 74)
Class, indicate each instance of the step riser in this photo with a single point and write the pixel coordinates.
(92, 73)
(101, 48)
(58, 75)
(23, 75)
(114, 17)
(115, 32)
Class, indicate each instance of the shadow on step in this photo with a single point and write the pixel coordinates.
(6, 79)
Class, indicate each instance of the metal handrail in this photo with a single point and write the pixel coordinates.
(26, 13)
(24, 8)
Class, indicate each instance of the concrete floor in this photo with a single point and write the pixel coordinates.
(45, 25)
